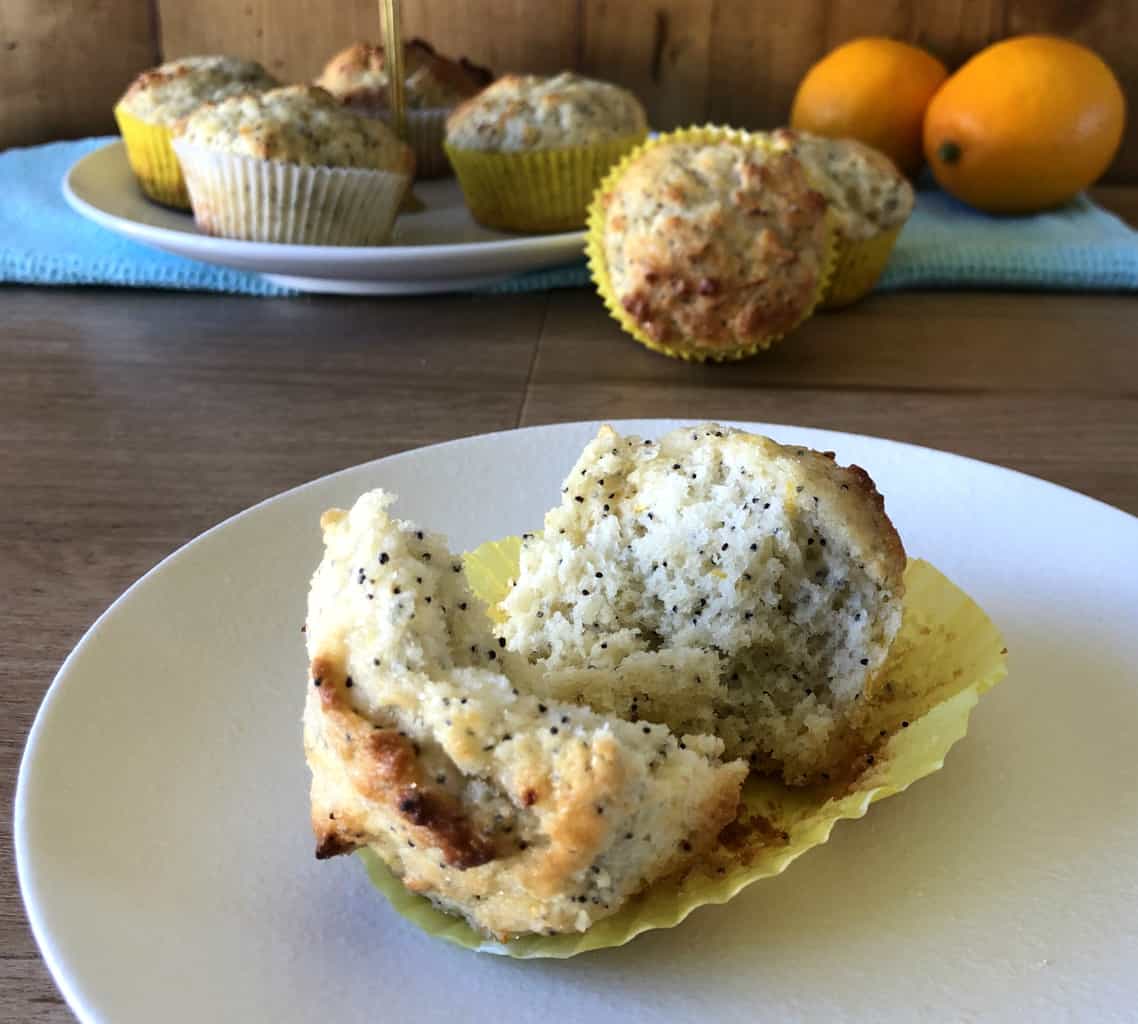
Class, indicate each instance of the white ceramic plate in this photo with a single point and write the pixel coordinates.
(161, 813)
(439, 249)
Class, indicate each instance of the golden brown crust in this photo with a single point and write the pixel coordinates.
(510, 810)
(357, 75)
(169, 92)
(383, 767)
(518, 113)
(889, 544)
(576, 830)
(714, 245)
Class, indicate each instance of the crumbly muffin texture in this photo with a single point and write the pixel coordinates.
(714, 245)
(167, 93)
(357, 76)
(531, 112)
(715, 582)
(298, 124)
(866, 192)
(429, 742)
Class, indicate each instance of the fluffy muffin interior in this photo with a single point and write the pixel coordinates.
(428, 743)
(714, 582)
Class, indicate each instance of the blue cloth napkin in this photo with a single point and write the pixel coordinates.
(944, 245)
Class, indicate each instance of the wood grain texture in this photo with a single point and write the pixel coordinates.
(130, 422)
(294, 38)
(660, 51)
(59, 78)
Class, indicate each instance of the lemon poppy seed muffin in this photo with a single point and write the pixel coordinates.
(528, 112)
(428, 745)
(716, 582)
(298, 124)
(529, 150)
(293, 165)
(167, 93)
(160, 97)
(870, 200)
(863, 186)
(357, 76)
(434, 85)
(707, 244)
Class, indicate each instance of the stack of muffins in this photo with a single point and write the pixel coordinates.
(705, 243)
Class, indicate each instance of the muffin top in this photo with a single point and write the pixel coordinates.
(298, 124)
(169, 92)
(714, 244)
(357, 76)
(866, 192)
(523, 112)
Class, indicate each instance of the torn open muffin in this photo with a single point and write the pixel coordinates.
(427, 743)
(695, 608)
(715, 581)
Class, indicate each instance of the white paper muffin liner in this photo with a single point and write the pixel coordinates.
(237, 196)
(425, 132)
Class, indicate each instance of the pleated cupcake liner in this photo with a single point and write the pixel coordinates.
(152, 158)
(947, 654)
(541, 190)
(858, 265)
(237, 196)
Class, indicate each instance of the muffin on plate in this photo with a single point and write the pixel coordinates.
(292, 165)
(706, 243)
(434, 86)
(870, 199)
(160, 97)
(716, 582)
(533, 769)
(529, 150)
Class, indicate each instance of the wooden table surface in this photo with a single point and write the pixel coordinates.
(131, 422)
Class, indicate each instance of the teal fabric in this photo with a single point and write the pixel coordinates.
(44, 241)
(945, 245)
(1079, 247)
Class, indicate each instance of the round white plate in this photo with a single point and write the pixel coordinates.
(162, 824)
(439, 249)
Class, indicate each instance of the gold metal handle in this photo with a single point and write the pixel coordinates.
(389, 16)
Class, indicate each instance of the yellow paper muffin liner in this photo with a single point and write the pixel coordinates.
(598, 265)
(541, 190)
(237, 196)
(152, 158)
(946, 655)
(857, 267)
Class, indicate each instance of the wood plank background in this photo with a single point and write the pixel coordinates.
(63, 64)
